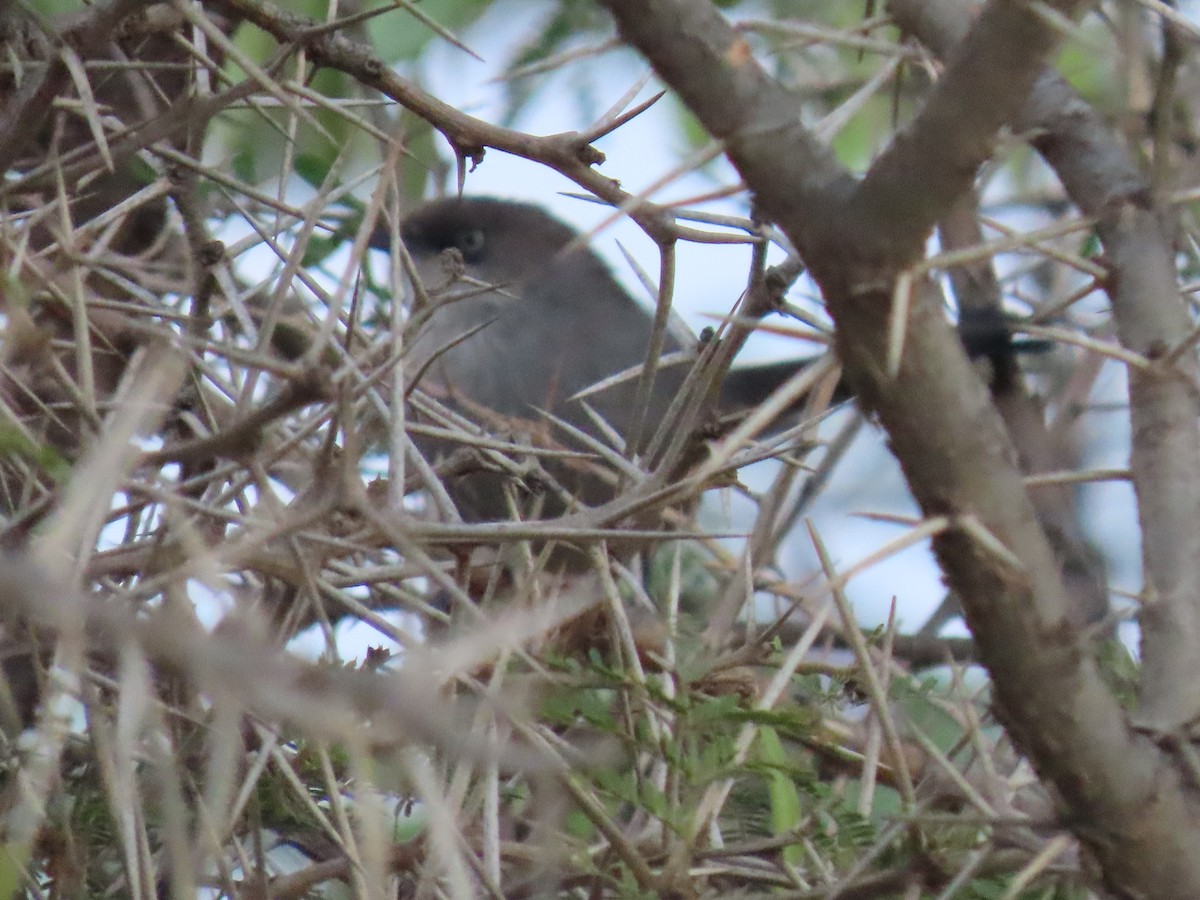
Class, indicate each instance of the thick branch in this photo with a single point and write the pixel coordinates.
(934, 161)
(1121, 795)
(1103, 180)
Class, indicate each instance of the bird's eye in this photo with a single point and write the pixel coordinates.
(472, 242)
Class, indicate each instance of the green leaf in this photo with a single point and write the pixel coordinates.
(784, 799)
(49, 460)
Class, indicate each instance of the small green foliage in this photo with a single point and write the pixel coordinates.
(786, 809)
(570, 706)
(1120, 671)
(698, 586)
(49, 460)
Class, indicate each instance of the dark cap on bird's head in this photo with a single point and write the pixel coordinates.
(493, 235)
(507, 243)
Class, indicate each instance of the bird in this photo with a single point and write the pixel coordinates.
(525, 317)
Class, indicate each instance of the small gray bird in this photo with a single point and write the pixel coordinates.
(527, 320)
